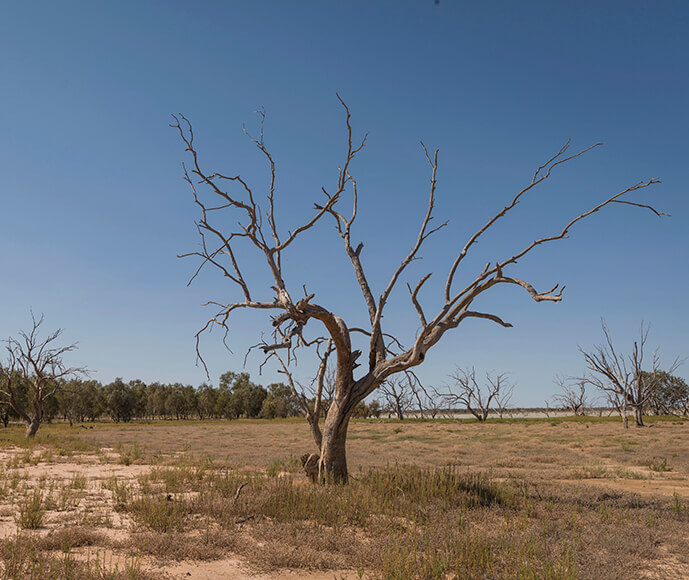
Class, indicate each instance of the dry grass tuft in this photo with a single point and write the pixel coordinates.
(25, 557)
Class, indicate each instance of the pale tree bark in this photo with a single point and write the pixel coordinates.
(623, 377)
(619, 404)
(38, 363)
(358, 372)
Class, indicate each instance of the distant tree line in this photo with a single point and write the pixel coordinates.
(83, 400)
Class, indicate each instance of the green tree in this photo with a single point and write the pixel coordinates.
(20, 390)
(91, 403)
(239, 397)
(156, 395)
(120, 401)
(67, 401)
(670, 394)
(139, 389)
(280, 402)
(207, 398)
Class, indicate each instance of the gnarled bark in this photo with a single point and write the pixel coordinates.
(333, 462)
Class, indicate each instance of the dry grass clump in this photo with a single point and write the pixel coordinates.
(31, 510)
(597, 470)
(160, 514)
(307, 546)
(214, 544)
(67, 538)
(25, 556)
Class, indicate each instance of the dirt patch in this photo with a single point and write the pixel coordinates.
(234, 569)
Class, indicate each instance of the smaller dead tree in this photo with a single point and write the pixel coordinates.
(472, 396)
(428, 402)
(33, 373)
(404, 395)
(504, 391)
(624, 376)
(573, 395)
(398, 396)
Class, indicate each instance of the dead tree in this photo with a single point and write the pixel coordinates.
(428, 402)
(397, 393)
(624, 376)
(39, 364)
(573, 396)
(472, 396)
(504, 390)
(359, 371)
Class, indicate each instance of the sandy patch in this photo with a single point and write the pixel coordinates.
(233, 569)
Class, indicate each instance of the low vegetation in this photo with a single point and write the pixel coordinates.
(512, 499)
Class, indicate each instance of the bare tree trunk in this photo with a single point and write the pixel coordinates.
(398, 411)
(333, 462)
(316, 431)
(639, 416)
(32, 427)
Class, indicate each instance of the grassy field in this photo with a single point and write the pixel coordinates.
(508, 499)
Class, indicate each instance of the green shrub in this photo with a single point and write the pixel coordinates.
(31, 510)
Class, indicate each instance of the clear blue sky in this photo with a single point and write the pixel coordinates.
(94, 207)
